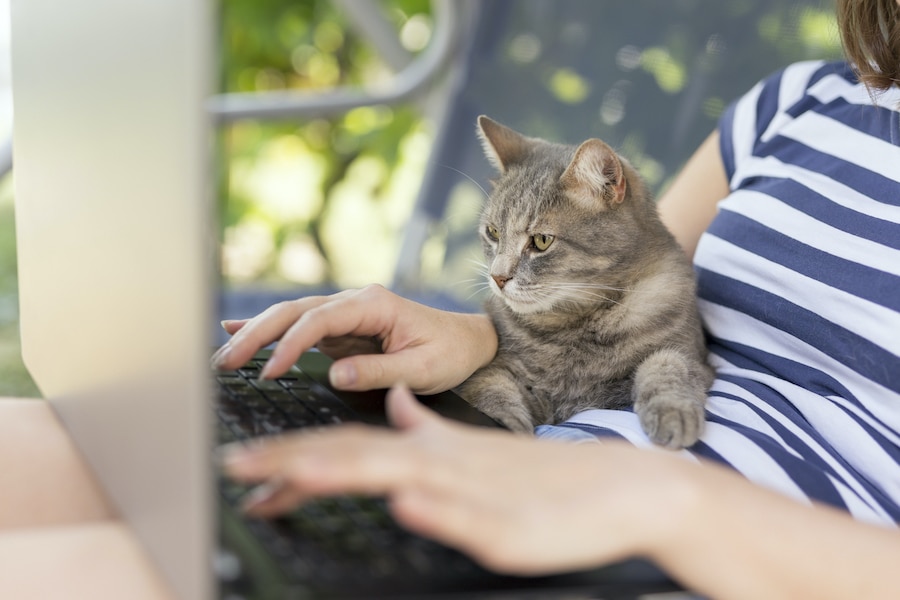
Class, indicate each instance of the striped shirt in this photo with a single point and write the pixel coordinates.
(799, 290)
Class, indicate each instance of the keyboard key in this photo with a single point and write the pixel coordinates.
(294, 383)
(265, 385)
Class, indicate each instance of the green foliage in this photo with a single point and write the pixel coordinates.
(281, 180)
(323, 202)
(651, 87)
(14, 379)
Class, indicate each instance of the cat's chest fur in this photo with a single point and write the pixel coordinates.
(569, 360)
(543, 343)
(557, 370)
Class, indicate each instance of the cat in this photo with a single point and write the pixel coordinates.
(593, 300)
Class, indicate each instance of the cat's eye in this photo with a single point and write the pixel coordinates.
(541, 241)
(493, 233)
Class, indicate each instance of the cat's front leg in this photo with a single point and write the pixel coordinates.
(494, 391)
(669, 397)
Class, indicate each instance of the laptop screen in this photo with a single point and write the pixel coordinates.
(114, 244)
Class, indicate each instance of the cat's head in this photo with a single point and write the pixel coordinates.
(560, 223)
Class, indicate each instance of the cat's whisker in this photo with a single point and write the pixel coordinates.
(481, 265)
(482, 277)
(598, 286)
(473, 286)
(479, 289)
(478, 185)
(477, 286)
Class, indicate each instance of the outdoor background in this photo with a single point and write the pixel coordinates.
(321, 204)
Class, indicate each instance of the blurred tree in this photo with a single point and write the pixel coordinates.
(324, 202)
(14, 379)
(287, 183)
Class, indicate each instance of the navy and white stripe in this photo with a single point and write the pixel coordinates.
(799, 289)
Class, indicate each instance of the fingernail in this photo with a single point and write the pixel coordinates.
(342, 375)
(266, 371)
(221, 355)
(260, 494)
(224, 323)
(236, 455)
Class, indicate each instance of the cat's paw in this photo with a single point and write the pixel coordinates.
(672, 422)
(515, 419)
(518, 426)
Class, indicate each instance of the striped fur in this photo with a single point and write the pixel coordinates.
(605, 316)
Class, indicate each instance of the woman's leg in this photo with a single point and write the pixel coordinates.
(59, 537)
(43, 478)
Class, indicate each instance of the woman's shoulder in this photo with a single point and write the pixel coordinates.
(803, 100)
(798, 88)
(811, 86)
(804, 75)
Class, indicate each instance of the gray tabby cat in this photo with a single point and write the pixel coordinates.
(593, 300)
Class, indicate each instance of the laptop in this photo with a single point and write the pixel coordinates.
(116, 246)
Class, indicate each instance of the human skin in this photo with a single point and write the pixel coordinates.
(429, 349)
(60, 537)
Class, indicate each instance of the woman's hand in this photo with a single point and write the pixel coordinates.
(516, 505)
(378, 338)
(527, 506)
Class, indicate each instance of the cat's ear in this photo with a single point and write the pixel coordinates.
(595, 175)
(502, 146)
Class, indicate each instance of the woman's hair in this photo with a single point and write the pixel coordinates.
(870, 31)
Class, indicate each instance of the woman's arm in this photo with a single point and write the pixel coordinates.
(739, 540)
(689, 205)
(528, 506)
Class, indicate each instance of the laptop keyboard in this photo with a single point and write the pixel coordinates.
(328, 540)
(250, 407)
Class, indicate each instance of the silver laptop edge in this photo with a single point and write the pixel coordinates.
(113, 216)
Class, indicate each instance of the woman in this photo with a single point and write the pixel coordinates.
(791, 210)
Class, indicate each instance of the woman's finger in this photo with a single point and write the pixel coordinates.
(347, 459)
(365, 313)
(271, 499)
(405, 412)
(232, 326)
(381, 371)
(262, 330)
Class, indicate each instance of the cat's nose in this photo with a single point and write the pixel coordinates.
(500, 280)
